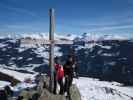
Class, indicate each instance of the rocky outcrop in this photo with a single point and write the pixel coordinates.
(47, 95)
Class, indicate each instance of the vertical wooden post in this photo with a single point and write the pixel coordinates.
(51, 53)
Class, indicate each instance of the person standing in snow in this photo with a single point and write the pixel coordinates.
(58, 76)
(69, 73)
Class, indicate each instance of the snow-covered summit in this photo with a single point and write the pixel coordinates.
(93, 89)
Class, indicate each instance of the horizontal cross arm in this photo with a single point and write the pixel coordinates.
(44, 41)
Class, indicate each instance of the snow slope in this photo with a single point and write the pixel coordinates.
(3, 84)
(17, 75)
(21, 77)
(90, 89)
(93, 89)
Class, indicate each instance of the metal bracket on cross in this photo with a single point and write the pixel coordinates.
(51, 42)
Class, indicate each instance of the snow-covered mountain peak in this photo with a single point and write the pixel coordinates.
(59, 36)
(101, 37)
(46, 36)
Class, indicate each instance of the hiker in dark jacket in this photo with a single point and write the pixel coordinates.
(68, 70)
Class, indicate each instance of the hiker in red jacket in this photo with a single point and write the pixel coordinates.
(59, 74)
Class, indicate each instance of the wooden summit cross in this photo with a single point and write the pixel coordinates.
(51, 42)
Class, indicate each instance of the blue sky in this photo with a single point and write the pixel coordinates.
(72, 16)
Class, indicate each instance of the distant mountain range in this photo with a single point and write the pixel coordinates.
(81, 37)
(108, 57)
